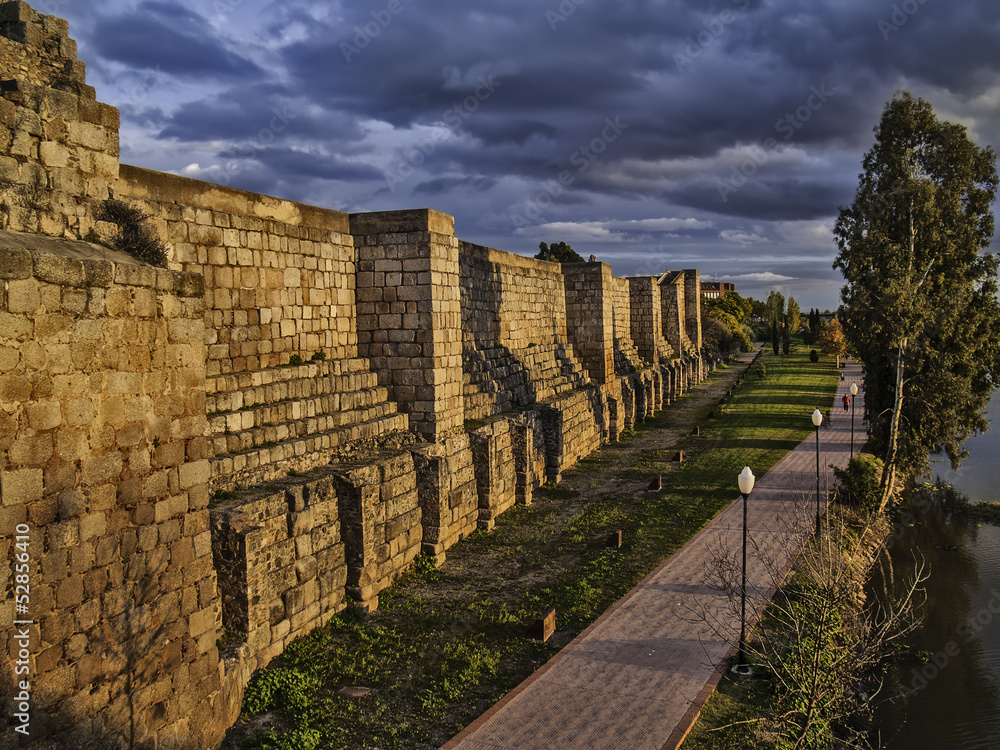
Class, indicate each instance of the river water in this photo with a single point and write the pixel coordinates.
(951, 696)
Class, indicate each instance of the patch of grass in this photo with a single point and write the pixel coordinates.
(446, 643)
(223, 496)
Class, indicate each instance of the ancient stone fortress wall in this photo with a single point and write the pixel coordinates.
(514, 344)
(58, 145)
(104, 459)
(212, 460)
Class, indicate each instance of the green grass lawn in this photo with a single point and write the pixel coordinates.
(445, 644)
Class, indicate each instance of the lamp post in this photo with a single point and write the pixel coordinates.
(854, 393)
(817, 421)
(745, 480)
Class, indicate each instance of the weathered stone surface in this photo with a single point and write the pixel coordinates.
(15, 263)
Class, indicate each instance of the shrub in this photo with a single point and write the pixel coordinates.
(813, 355)
(319, 356)
(295, 360)
(134, 236)
(287, 690)
(859, 482)
(297, 739)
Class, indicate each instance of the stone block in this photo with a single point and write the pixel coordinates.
(21, 486)
(53, 155)
(192, 474)
(22, 296)
(15, 327)
(14, 388)
(201, 622)
(99, 273)
(15, 263)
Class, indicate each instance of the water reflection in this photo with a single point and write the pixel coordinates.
(979, 475)
(953, 700)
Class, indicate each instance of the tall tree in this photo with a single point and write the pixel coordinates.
(921, 305)
(775, 306)
(832, 340)
(814, 321)
(558, 252)
(793, 317)
(775, 337)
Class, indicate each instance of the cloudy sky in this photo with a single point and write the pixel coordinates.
(717, 134)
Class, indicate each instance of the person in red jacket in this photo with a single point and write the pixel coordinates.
(846, 401)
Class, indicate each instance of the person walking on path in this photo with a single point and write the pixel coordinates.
(846, 401)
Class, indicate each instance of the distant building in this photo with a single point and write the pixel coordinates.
(716, 289)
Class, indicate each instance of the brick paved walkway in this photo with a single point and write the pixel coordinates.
(638, 677)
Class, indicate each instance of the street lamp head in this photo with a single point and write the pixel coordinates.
(746, 480)
(854, 389)
(817, 418)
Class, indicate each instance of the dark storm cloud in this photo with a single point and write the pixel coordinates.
(305, 164)
(233, 116)
(767, 199)
(485, 105)
(688, 82)
(168, 36)
(442, 185)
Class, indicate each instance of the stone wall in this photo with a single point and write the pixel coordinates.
(281, 565)
(589, 317)
(409, 313)
(692, 307)
(514, 348)
(58, 145)
(626, 355)
(674, 310)
(233, 449)
(104, 458)
(279, 282)
(647, 319)
(279, 276)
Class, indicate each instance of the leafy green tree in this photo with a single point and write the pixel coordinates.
(558, 252)
(736, 334)
(775, 306)
(832, 340)
(921, 305)
(793, 317)
(758, 309)
(733, 304)
(733, 311)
